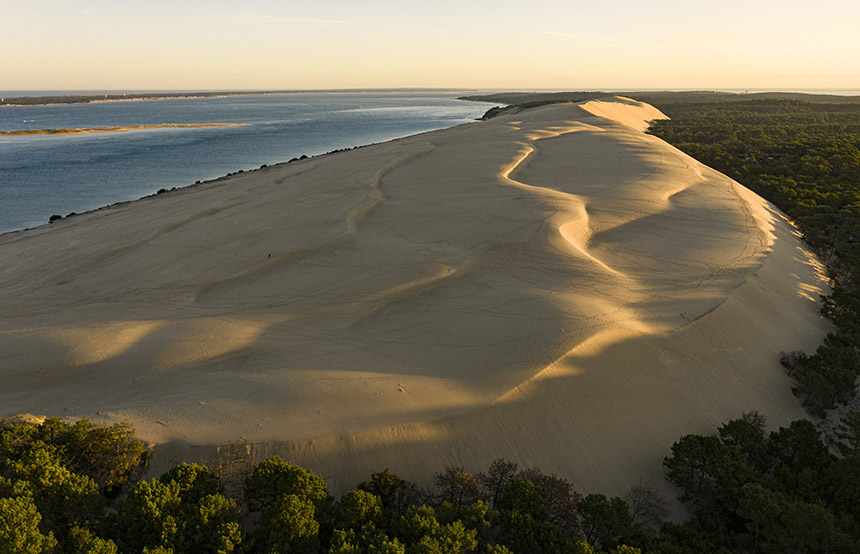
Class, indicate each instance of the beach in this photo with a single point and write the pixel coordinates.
(51, 168)
(555, 287)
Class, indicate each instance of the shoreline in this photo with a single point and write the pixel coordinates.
(58, 217)
(50, 219)
(354, 308)
(52, 100)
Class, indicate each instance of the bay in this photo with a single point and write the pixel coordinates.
(58, 174)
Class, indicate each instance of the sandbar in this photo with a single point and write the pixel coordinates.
(119, 129)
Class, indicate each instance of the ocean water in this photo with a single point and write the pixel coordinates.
(45, 175)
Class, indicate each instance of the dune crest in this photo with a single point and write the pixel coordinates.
(555, 287)
(625, 111)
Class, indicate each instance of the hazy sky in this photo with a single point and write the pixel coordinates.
(263, 44)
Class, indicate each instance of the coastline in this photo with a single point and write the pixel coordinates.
(49, 100)
(56, 218)
(269, 149)
(356, 308)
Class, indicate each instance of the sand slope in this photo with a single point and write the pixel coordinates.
(554, 287)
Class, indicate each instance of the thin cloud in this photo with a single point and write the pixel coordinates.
(560, 34)
(268, 19)
(578, 36)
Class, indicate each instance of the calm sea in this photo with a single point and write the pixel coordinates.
(45, 175)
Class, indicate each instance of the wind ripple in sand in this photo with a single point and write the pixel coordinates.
(575, 222)
(522, 289)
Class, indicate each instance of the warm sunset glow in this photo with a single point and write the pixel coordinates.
(262, 44)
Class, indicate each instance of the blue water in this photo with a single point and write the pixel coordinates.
(45, 175)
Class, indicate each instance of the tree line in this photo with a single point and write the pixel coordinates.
(76, 489)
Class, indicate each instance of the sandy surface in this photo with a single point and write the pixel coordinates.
(554, 287)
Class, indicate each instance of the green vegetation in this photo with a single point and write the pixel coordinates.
(74, 489)
(657, 98)
(752, 492)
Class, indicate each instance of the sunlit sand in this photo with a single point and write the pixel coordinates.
(554, 287)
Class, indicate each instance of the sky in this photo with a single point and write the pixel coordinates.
(466, 44)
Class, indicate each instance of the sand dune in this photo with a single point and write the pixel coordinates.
(554, 287)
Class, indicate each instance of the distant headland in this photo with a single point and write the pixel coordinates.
(142, 96)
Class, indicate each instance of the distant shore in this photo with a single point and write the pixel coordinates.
(91, 98)
(532, 99)
(150, 96)
(121, 129)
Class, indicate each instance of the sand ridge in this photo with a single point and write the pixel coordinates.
(554, 287)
